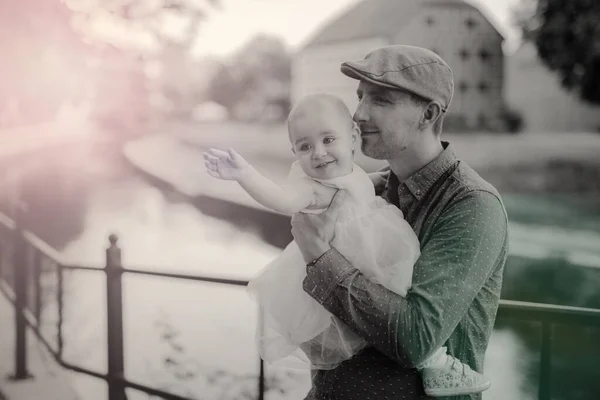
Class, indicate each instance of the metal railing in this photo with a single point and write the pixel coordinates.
(20, 283)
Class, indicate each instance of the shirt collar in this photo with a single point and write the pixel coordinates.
(421, 181)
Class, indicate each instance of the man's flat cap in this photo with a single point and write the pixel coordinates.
(410, 68)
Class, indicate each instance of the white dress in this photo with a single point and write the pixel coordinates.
(375, 239)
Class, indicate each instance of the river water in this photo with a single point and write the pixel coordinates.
(213, 323)
(190, 338)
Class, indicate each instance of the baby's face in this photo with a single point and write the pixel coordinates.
(323, 144)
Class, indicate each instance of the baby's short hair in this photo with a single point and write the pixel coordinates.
(320, 101)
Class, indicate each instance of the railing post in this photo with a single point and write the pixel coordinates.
(1, 260)
(261, 373)
(60, 297)
(114, 321)
(20, 278)
(545, 362)
(37, 286)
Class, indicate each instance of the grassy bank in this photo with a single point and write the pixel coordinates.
(526, 163)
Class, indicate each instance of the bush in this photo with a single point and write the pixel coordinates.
(512, 120)
(455, 123)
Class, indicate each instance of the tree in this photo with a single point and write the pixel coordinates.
(566, 34)
(46, 62)
(255, 83)
(41, 62)
(156, 33)
(146, 19)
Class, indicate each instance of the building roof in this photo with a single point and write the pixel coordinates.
(375, 18)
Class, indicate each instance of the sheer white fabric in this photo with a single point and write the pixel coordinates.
(374, 237)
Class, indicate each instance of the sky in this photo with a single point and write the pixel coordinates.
(230, 26)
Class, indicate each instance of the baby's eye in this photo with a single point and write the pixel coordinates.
(304, 147)
(328, 140)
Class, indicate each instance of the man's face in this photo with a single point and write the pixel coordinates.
(388, 120)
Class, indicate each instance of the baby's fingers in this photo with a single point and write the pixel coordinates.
(220, 154)
(213, 173)
(208, 158)
(211, 166)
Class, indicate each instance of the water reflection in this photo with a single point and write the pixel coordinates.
(506, 362)
(156, 232)
(194, 338)
(197, 339)
(188, 337)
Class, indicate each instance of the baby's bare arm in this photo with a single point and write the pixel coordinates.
(287, 199)
(290, 198)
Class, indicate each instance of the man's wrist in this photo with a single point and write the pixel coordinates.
(316, 259)
(325, 274)
(313, 262)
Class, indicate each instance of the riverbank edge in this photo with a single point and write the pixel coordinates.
(272, 227)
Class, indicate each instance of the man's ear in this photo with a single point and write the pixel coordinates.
(431, 113)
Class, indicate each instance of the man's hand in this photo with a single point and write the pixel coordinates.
(314, 233)
(379, 178)
(228, 165)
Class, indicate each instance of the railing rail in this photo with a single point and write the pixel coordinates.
(20, 243)
(15, 244)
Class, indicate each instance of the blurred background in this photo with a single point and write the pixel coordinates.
(107, 105)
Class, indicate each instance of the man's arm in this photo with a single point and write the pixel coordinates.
(468, 243)
(379, 179)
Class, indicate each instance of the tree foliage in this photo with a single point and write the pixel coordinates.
(255, 81)
(40, 61)
(566, 34)
(151, 18)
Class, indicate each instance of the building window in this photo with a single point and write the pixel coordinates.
(483, 87)
(464, 54)
(485, 55)
(470, 23)
(463, 86)
(429, 20)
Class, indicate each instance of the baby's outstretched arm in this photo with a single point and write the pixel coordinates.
(230, 165)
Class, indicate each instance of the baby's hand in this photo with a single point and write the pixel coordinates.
(227, 165)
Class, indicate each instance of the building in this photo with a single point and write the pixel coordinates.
(456, 30)
(536, 93)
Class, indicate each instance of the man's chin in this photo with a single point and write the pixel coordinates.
(372, 152)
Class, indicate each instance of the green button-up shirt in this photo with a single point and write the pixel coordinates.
(462, 227)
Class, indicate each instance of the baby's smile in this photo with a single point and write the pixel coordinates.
(324, 164)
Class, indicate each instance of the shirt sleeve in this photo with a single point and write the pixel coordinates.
(468, 241)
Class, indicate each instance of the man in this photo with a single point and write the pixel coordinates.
(458, 217)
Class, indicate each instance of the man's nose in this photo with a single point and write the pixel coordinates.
(360, 115)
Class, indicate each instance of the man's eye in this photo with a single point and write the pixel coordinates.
(379, 99)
